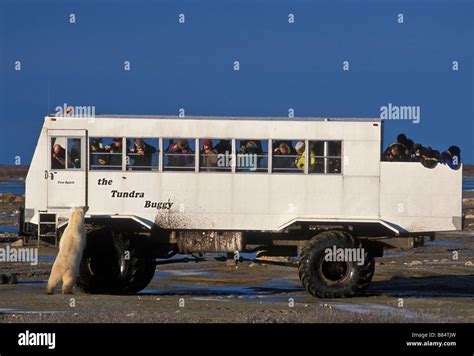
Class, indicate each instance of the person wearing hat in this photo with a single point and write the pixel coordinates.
(282, 158)
(142, 154)
(407, 145)
(208, 155)
(116, 147)
(452, 157)
(180, 154)
(300, 160)
(253, 149)
(394, 153)
(223, 147)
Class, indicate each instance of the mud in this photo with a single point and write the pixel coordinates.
(436, 288)
(433, 283)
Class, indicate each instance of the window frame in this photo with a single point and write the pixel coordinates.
(220, 171)
(66, 156)
(238, 149)
(297, 171)
(113, 168)
(163, 153)
(326, 157)
(161, 168)
(158, 168)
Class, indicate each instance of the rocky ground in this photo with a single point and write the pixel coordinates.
(433, 283)
(422, 285)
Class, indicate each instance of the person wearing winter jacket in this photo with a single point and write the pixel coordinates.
(301, 159)
(208, 156)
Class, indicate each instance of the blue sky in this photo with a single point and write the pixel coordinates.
(282, 65)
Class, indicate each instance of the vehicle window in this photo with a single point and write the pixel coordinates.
(74, 153)
(328, 156)
(215, 155)
(142, 154)
(66, 153)
(58, 152)
(106, 153)
(288, 156)
(179, 154)
(252, 155)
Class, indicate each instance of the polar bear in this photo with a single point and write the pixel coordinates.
(71, 247)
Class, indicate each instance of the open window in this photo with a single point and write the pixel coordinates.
(215, 155)
(288, 156)
(142, 154)
(179, 154)
(106, 153)
(66, 153)
(252, 155)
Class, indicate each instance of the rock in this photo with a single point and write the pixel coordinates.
(252, 264)
(415, 263)
(8, 278)
(469, 216)
(468, 263)
(445, 260)
(17, 243)
(7, 197)
(13, 279)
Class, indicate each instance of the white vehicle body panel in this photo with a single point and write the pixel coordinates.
(405, 197)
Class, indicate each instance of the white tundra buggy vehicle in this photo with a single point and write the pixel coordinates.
(157, 186)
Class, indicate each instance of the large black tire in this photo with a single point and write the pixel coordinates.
(112, 264)
(325, 279)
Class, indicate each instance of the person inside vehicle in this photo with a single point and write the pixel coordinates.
(428, 157)
(254, 148)
(97, 146)
(283, 160)
(58, 155)
(395, 153)
(408, 146)
(223, 147)
(115, 158)
(208, 156)
(142, 154)
(452, 157)
(180, 154)
(300, 160)
(288, 143)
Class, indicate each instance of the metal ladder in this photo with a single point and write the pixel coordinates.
(47, 227)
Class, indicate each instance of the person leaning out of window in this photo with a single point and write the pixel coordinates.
(300, 160)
